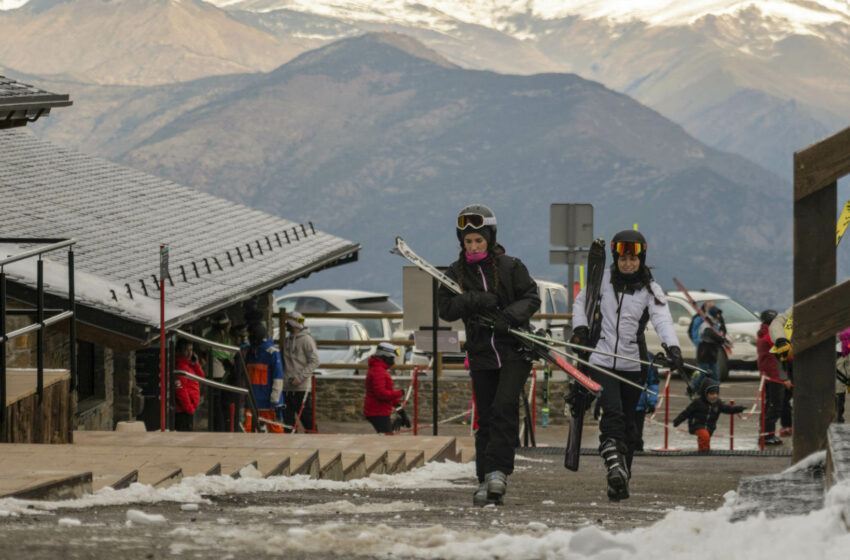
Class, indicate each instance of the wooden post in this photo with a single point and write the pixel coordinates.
(816, 171)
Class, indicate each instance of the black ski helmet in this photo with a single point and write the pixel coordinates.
(629, 236)
(480, 219)
(768, 315)
(257, 333)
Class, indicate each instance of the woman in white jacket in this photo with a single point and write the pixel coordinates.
(629, 298)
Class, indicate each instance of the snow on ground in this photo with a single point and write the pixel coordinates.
(821, 534)
(706, 535)
(194, 489)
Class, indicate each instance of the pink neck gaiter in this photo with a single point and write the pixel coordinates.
(473, 258)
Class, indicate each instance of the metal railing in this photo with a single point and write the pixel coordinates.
(46, 246)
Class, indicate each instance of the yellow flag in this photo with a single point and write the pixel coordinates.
(843, 222)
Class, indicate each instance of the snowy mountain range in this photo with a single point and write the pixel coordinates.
(760, 78)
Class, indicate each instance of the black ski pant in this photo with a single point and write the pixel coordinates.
(382, 424)
(640, 417)
(184, 422)
(774, 394)
(619, 401)
(292, 401)
(497, 393)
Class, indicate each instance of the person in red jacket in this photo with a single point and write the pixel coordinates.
(187, 390)
(775, 379)
(380, 395)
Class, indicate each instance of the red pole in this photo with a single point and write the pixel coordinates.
(666, 415)
(761, 418)
(313, 390)
(416, 401)
(732, 428)
(161, 343)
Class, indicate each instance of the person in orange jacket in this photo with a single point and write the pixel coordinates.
(187, 391)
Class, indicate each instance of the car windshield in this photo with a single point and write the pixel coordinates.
(329, 332)
(374, 327)
(733, 312)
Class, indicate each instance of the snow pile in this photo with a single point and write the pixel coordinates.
(142, 518)
(819, 535)
(194, 489)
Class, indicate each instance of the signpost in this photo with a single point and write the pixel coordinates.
(163, 274)
(571, 230)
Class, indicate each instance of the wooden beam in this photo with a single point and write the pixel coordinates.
(821, 164)
(814, 271)
(821, 316)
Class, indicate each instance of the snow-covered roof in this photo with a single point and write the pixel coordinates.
(220, 252)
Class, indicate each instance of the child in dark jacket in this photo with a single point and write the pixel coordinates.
(703, 411)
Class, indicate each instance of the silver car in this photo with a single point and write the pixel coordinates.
(741, 324)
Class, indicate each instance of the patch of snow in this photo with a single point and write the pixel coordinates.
(11, 4)
(680, 533)
(819, 457)
(142, 518)
(190, 507)
(193, 489)
(69, 522)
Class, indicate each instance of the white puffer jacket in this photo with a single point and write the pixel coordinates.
(621, 314)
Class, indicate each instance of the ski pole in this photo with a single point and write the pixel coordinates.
(611, 354)
(574, 358)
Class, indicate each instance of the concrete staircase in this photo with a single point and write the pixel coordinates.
(801, 489)
(117, 459)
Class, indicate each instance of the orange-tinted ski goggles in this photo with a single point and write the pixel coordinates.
(628, 247)
(474, 221)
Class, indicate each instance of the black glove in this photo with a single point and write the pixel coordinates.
(581, 336)
(403, 419)
(487, 301)
(650, 409)
(737, 409)
(674, 355)
(501, 324)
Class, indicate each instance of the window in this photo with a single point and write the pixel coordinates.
(559, 300)
(677, 310)
(314, 305)
(382, 304)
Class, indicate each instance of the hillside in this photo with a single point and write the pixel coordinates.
(379, 136)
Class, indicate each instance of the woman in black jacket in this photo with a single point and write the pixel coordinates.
(498, 294)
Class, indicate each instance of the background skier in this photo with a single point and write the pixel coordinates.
(301, 357)
(265, 372)
(629, 298)
(703, 411)
(381, 396)
(498, 294)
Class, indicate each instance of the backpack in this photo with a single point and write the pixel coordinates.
(693, 329)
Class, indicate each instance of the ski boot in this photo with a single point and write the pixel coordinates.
(618, 470)
(479, 497)
(497, 484)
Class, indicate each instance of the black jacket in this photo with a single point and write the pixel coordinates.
(518, 301)
(702, 414)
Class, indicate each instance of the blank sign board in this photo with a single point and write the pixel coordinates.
(570, 225)
(417, 301)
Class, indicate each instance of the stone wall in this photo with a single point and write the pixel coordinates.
(340, 399)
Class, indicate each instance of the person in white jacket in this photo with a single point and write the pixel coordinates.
(629, 298)
(301, 358)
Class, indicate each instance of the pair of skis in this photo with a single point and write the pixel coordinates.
(583, 387)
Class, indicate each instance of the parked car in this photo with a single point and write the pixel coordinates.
(357, 301)
(741, 323)
(340, 329)
(553, 299)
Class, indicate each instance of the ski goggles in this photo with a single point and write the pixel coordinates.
(624, 247)
(474, 221)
